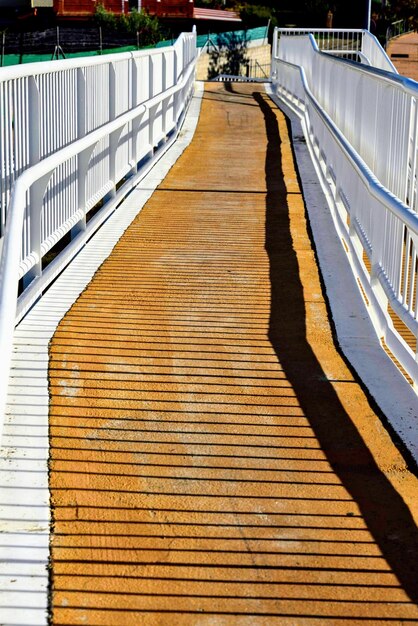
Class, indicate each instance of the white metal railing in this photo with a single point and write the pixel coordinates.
(76, 133)
(327, 38)
(45, 106)
(398, 28)
(354, 44)
(362, 128)
(376, 55)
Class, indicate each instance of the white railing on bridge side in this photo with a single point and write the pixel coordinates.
(361, 126)
(75, 135)
(398, 28)
(355, 44)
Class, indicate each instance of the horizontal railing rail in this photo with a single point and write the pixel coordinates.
(54, 195)
(362, 125)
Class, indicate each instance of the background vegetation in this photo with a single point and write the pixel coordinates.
(346, 13)
(146, 28)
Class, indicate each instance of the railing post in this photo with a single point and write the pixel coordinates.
(34, 126)
(175, 77)
(135, 124)
(164, 104)
(412, 184)
(81, 103)
(112, 92)
(135, 80)
(175, 63)
(164, 108)
(37, 191)
(82, 171)
(113, 147)
(164, 72)
(151, 117)
(152, 110)
(150, 77)
(114, 137)
(36, 196)
(81, 166)
(377, 243)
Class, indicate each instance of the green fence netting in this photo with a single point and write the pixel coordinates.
(253, 34)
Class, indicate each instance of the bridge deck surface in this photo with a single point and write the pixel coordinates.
(403, 52)
(213, 460)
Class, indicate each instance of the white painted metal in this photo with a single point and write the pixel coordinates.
(354, 44)
(73, 134)
(46, 106)
(375, 54)
(24, 494)
(361, 126)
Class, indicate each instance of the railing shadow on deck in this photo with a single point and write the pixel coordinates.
(385, 513)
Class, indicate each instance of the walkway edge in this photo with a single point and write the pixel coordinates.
(355, 335)
(24, 492)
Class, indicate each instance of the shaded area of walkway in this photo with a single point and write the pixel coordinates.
(403, 52)
(213, 461)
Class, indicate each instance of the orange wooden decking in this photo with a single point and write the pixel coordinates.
(213, 461)
(403, 52)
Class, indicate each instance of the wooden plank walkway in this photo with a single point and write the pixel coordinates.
(213, 461)
(403, 52)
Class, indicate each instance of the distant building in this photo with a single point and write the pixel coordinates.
(86, 8)
(185, 9)
(179, 12)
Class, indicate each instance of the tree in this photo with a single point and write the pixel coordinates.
(230, 57)
(257, 14)
(136, 22)
(405, 10)
(147, 27)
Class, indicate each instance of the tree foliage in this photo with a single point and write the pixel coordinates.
(405, 10)
(230, 56)
(257, 14)
(134, 23)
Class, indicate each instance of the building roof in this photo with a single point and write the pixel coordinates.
(213, 14)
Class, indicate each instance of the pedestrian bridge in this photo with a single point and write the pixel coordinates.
(208, 339)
